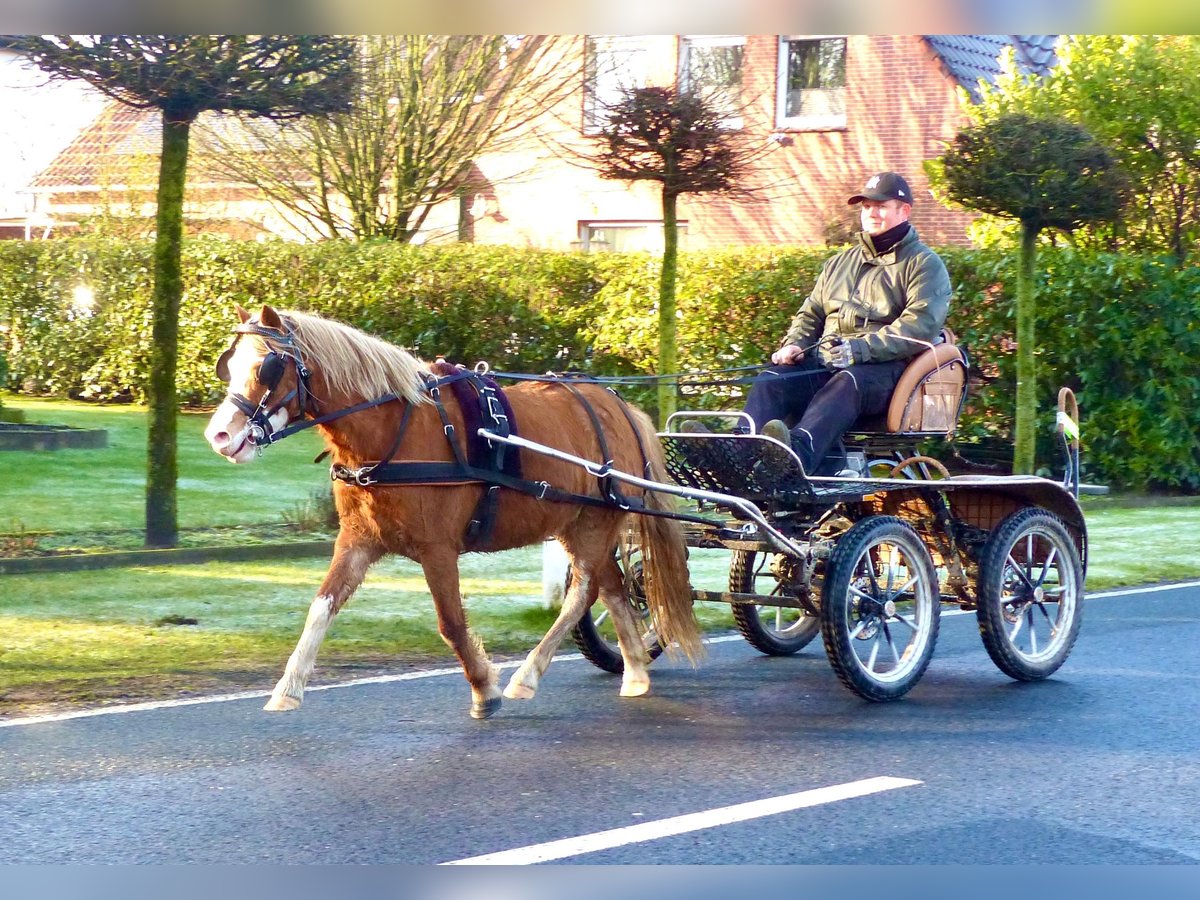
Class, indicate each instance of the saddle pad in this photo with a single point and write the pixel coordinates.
(479, 452)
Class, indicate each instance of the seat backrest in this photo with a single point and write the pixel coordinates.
(930, 392)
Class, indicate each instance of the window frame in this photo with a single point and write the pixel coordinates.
(586, 227)
(688, 41)
(785, 122)
(636, 61)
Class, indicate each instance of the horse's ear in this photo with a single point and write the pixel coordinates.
(242, 313)
(269, 318)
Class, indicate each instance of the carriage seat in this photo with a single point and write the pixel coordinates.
(929, 396)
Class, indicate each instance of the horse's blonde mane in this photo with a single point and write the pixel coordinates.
(354, 363)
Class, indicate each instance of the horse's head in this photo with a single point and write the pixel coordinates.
(267, 386)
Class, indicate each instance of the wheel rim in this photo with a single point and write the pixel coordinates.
(890, 608)
(1037, 595)
(782, 622)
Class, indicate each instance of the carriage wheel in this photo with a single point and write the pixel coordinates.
(595, 635)
(775, 630)
(1030, 591)
(879, 608)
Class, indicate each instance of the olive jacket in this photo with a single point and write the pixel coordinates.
(887, 306)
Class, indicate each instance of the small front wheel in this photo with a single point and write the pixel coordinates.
(1030, 592)
(879, 608)
(775, 630)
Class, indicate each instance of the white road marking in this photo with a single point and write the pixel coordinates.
(250, 695)
(434, 673)
(649, 831)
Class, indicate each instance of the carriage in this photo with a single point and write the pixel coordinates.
(422, 468)
(869, 562)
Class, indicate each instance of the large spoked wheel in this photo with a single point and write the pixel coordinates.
(879, 608)
(595, 635)
(1030, 592)
(775, 630)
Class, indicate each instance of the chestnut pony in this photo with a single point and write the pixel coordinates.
(285, 366)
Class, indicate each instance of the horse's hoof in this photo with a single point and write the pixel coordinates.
(635, 689)
(284, 703)
(517, 691)
(486, 709)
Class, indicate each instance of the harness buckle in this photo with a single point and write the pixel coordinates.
(360, 476)
(541, 495)
(495, 408)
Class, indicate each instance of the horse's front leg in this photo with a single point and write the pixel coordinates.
(346, 572)
(440, 565)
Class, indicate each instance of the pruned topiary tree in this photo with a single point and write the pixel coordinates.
(681, 141)
(1047, 174)
(183, 75)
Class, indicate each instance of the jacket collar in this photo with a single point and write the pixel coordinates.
(868, 249)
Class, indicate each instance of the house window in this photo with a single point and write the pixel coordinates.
(625, 236)
(812, 82)
(711, 65)
(614, 66)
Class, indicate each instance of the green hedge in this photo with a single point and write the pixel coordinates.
(1122, 331)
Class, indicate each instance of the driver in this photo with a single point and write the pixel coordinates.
(874, 305)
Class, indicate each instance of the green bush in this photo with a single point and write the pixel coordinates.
(1123, 332)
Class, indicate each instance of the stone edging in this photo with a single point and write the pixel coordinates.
(80, 562)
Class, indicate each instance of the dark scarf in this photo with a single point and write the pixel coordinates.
(885, 241)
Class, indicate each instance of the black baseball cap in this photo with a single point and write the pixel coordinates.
(884, 186)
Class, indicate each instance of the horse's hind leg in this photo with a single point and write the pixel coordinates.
(346, 572)
(441, 574)
(635, 678)
(580, 595)
(594, 572)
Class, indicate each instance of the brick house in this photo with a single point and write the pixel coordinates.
(828, 111)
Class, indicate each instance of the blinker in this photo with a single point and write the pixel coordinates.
(270, 371)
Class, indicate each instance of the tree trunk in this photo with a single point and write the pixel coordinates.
(1024, 450)
(668, 363)
(162, 518)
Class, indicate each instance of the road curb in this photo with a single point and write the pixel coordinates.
(80, 562)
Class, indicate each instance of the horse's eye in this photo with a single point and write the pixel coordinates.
(270, 371)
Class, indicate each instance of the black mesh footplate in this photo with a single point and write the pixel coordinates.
(752, 467)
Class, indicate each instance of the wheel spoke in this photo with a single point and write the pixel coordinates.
(891, 564)
(858, 629)
(1046, 616)
(1012, 635)
(910, 622)
(863, 595)
(887, 633)
(1032, 631)
(1020, 572)
(602, 618)
(874, 653)
(1047, 564)
(868, 568)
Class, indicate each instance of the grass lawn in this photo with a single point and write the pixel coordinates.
(83, 638)
(104, 490)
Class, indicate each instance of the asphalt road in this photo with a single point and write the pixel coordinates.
(1100, 764)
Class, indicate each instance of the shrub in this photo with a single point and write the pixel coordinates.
(1122, 331)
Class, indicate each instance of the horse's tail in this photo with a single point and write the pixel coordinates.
(664, 556)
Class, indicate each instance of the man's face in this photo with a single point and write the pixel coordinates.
(880, 215)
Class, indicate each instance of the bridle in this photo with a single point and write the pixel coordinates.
(281, 351)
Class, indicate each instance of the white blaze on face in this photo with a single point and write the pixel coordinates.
(228, 430)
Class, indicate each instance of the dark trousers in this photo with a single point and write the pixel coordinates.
(818, 405)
